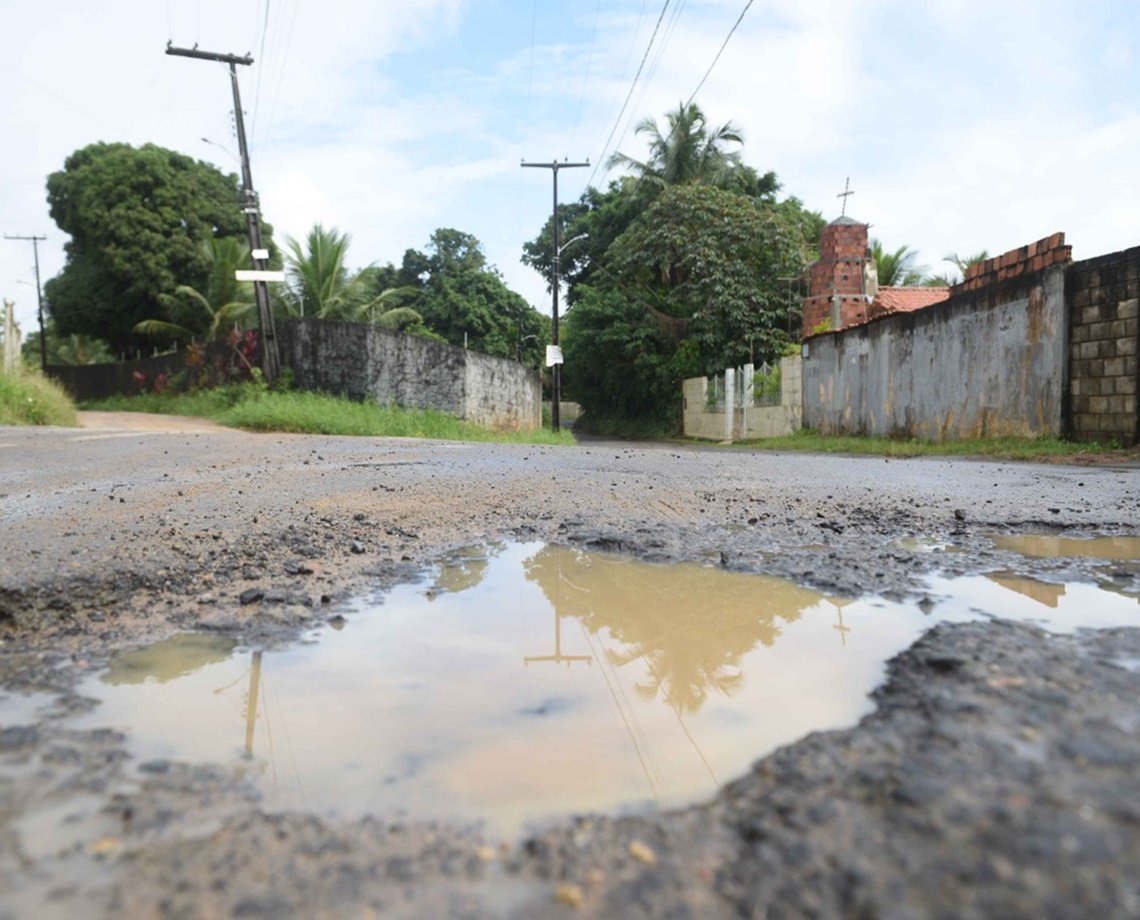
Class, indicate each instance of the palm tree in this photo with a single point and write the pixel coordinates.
(963, 262)
(225, 305)
(687, 153)
(897, 269)
(319, 284)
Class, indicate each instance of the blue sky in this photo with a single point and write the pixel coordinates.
(963, 125)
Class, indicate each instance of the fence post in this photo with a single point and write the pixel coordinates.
(729, 399)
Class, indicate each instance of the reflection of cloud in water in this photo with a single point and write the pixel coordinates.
(172, 658)
(689, 624)
(466, 568)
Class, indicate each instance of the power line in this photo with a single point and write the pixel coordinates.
(586, 78)
(260, 71)
(724, 44)
(629, 95)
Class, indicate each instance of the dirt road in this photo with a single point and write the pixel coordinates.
(995, 777)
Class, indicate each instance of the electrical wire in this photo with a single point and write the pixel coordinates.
(260, 71)
(723, 45)
(586, 78)
(629, 95)
(530, 77)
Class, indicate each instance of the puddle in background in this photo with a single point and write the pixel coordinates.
(1050, 547)
(534, 681)
(926, 545)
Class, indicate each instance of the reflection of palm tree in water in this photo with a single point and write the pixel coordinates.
(689, 624)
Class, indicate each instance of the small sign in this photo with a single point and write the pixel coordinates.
(260, 253)
(553, 355)
(245, 274)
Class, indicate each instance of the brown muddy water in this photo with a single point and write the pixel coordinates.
(525, 681)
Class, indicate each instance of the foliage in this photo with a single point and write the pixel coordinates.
(68, 349)
(252, 406)
(226, 305)
(136, 218)
(465, 301)
(997, 448)
(897, 268)
(690, 152)
(27, 397)
(318, 279)
(692, 287)
(766, 386)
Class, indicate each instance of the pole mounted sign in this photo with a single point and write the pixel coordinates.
(259, 274)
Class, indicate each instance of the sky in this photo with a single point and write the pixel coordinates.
(962, 124)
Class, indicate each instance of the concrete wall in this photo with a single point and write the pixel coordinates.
(1104, 338)
(366, 362)
(749, 422)
(988, 362)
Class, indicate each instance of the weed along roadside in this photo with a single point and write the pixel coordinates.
(302, 675)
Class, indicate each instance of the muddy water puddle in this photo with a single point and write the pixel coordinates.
(528, 681)
(1039, 546)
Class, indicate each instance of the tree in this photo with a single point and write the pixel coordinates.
(961, 263)
(318, 281)
(69, 349)
(136, 218)
(225, 305)
(897, 269)
(691, 287)
(466, 301)
(691, 152)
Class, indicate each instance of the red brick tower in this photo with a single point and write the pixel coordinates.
(842, 284)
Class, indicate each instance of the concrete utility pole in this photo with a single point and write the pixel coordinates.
(556, 369)
(270, 360)
(35, 240)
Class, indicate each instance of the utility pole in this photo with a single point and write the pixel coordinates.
(35, 240)
(556, 394)
(270, 360)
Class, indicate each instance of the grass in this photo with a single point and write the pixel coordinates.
(255, 409)
(27, 397)
(997, 448)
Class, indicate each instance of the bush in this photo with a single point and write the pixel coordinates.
(27, 397)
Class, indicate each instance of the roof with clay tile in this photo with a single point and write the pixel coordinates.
(908, 299)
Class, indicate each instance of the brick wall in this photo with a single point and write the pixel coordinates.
(838, 275)
(1104, 337)
(1021, 261)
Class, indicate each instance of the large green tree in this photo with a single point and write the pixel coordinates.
(691, 287)
(465, 300)
(136, 218)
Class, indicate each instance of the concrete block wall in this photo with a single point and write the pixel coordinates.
(750, 422)
(1104, 338)
(365, 362)
(989, 362)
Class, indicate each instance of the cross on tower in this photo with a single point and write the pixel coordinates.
(847, 191)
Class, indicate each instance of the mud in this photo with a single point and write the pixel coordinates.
(995, 776)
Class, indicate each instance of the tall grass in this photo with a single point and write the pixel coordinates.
(255, 408)
(27, 397)
(998, 448)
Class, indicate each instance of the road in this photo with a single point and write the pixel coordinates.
(115, 533)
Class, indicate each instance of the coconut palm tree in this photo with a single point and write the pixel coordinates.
(897, 269)
(688, 152)
(225, 305)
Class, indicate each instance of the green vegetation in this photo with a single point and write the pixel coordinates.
(678, 274)
(136, 219)
(997, 448)
(29, 398)
(251, 406)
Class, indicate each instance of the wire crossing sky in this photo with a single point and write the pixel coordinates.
(965, 124)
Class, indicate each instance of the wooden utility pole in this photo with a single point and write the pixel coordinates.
(270, 359)
(35, 241)
(556, 368)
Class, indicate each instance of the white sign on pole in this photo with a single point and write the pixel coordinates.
(260, 253)
(553, 355)
(245, 274)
